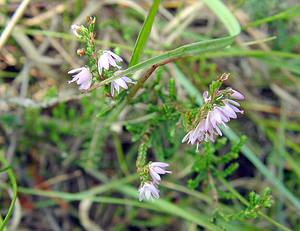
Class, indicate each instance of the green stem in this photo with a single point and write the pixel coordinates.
(142, 152)
(120, 154)
(13, 182)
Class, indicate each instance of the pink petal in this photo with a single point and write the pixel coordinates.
(75, 78)
(232, 102)
(121, 83)
(116, 57)
(237, 95)
(229, 112)
(86, 85)
(112, 89)
(111, 61)
(75, 71)
(159, 164)
(128, 80)
(104, 61)
(155, 176)
(205, 96)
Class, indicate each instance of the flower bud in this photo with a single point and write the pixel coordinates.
(80, 52)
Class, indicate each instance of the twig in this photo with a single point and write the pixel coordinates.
(37, 20)
(17, 15)
(51, 221)
(87, 223)
(150, 71)
(27, 102)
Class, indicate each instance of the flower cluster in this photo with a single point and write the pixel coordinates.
(108, 58)
(104, 63)
(149, 189)
(218, 109)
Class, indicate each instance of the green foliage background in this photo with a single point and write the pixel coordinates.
(74, 154)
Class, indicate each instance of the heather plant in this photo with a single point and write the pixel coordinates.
(203, 124)
(181, 153)
(218, 108)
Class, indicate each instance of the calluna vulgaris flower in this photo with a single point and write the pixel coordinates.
(82, 76)
(148, 191)
(209, 127)
(108, 58)
(156, 169)
(120, 82)
(75, 29)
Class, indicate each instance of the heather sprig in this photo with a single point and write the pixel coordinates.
(149, 173)
(101, 64)
(210, 160)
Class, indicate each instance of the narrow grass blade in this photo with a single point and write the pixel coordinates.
(120, 185)
(222, 13)
(291, 12)
(144, 34)
(13, 183)
(173, 209)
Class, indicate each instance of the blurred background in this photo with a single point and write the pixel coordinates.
(63, 154)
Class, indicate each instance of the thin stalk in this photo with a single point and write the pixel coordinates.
(17, 15)
(280, 159)
(120, 154)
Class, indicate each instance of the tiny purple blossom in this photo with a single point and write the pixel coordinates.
(107, 59)
(120, 82)
(75, 29)
(156, 169)
(205, 96)
(148, 191)
(236, 95)
(82, 76)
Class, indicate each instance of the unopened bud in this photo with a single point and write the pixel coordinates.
(224, 77)
(90, 20)
(81, 52)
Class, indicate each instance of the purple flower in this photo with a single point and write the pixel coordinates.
(206, 97)
(75, 28)
(156, 169)
(203, 131)
(209, 127)
(236, 95)
(82, 76)
(148, 191)
(120, 82)
(107, 59)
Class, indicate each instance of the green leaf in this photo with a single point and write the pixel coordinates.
(144, 34)
(13, 182)
(224, 15)
(4, 169)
